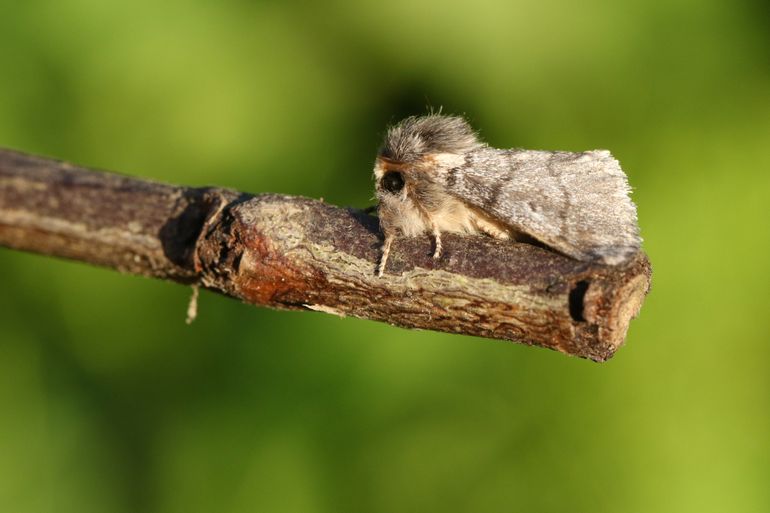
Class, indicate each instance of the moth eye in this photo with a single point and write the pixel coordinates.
(392, 182)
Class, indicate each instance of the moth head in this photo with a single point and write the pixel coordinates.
(413, 151)
(417, 137)
(390, 180)
(395, 207)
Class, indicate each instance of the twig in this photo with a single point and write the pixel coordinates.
(296, 253)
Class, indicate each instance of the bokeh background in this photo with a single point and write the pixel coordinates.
(109, 402)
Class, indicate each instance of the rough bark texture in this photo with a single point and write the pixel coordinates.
(297, 253)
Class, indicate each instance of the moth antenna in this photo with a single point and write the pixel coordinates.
(385, 254)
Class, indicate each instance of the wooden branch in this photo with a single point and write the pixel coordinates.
(296, 253)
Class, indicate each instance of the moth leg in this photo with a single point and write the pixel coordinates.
(437, 238)
(433, 228)
(385, 254)
(494, 230)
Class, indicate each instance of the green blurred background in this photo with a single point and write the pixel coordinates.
(109, 402)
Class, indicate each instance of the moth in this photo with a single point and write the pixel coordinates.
(433, 175)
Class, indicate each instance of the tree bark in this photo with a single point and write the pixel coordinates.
(296, 253)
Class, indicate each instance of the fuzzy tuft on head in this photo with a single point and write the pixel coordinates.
(417, 136)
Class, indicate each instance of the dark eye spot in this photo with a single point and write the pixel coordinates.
(392, 182)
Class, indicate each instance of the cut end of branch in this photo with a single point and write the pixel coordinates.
(627, 303)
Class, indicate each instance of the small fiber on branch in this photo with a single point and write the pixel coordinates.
(296, 253)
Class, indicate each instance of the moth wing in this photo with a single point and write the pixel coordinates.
(575, 203)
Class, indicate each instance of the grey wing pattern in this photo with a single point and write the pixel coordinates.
(576, 203)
